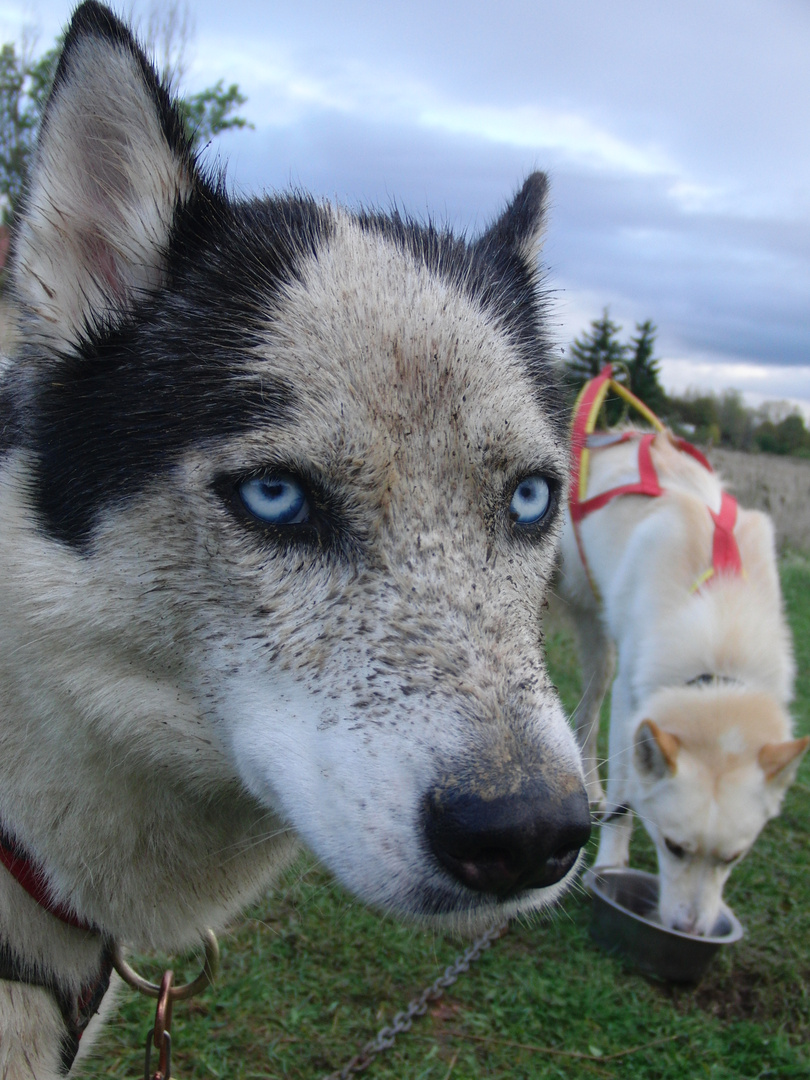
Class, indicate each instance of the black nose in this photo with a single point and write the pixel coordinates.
(509, 843)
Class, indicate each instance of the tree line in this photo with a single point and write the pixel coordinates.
(776, 427)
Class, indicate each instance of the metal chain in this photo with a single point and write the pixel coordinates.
(403, 1021)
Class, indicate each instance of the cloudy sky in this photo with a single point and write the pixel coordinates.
(676, 134)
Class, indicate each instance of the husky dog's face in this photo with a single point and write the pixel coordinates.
(713, 770)
(402, 542)
(300, 469)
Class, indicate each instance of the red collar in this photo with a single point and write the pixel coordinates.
(76, 1006)
(28, 873)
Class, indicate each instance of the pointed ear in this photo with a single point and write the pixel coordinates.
(111, 166)
(780, 761)
(521, 227)
(656, 751)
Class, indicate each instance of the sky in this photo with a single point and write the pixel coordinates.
(676, 136)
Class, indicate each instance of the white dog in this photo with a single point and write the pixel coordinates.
(279, 503)
(677, 588)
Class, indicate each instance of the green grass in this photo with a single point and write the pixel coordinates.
(309, 975)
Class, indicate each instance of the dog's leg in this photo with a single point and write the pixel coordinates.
(617, 828)
(597, 661)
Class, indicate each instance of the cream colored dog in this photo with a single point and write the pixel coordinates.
(700, 735)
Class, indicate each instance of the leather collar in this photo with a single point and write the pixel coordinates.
(77, 1008)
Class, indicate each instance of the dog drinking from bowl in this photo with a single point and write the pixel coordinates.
(675, 588)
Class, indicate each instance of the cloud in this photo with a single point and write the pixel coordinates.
(674, 136)
(757, 383)
(729, 286)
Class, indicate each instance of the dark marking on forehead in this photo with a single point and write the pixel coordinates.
(118, 423)
(172, 375)
(495, 277)
(10, 421)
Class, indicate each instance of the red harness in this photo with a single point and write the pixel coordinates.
(76, 1006)
(725, 552)
(20, 865)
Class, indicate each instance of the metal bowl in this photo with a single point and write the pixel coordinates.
(624, 920)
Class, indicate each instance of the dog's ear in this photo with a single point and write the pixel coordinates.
(111, 165)
(521, 227)
(656, 751)
(780, 761)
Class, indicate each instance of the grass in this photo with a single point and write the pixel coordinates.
(309, 975)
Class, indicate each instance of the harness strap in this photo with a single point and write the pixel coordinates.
(710, 678)
(30, 875)
(586, 412)
(647, 483)
(725, 552)
(77, 1007)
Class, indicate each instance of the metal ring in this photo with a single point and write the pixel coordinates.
(177, 993)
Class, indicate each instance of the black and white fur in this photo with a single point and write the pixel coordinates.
(187, 686)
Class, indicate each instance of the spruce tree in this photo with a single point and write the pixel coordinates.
(589, 354)
(634, 365)
(644, 369)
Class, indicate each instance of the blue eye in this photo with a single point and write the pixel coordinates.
(276, 500)
(531, 501)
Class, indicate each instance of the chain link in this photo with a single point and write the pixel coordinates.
(403, 1021)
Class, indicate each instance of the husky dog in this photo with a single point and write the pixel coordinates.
(279, 494)
(700, 741)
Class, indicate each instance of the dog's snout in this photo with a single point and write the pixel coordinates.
(507, 844)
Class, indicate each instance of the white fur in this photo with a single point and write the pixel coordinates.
(710, 796)
(182, 700)
(113, 205)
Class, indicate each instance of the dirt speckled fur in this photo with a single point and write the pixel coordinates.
(189, 684)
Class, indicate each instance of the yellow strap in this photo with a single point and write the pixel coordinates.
(702, 579)
(706, 575)
(590, 425)
(637, 403)
(593, 415)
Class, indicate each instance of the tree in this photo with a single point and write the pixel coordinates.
(775, 411)
(590, 353)
(633, 362)
(789, 436)
(15, 124)
(765, 437)
(696, 414)
(792, 434)
(168, 31)
(736, 422)
(25, 83)
(166, 35)
(644, 370)
(210, 112)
